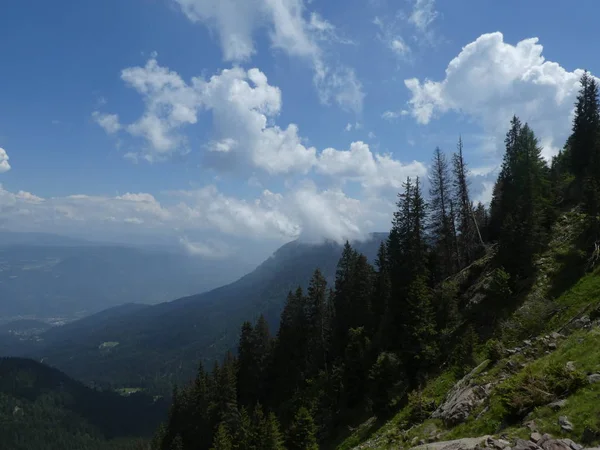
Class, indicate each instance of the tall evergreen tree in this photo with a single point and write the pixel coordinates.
(301, 435)
(440, 193)
(464, 213)
(222, 439)
(318, 322)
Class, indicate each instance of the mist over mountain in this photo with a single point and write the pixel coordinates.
(56, 278)
(152, 346)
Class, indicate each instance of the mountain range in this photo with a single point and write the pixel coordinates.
(55, 278)
(153, 346)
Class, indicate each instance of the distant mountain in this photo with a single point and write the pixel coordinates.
(45, 276)
(156, 345)
(41, 408)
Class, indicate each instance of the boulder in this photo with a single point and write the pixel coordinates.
(462, 399)
(594, 378)
(555, 444)
(522, 444)
(555, 406)
(564, 423)
(458, 444)
(535, 437)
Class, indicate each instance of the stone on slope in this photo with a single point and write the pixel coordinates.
(462, 399)
(564, 423)
(458, 444)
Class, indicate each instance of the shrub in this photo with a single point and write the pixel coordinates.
(529, 390)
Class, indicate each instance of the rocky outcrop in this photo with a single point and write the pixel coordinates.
(458, 444)
(537, 442)
(463, 398)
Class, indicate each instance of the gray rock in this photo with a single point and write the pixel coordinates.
(570, 366)
(594, 378)
(527, 343)
(552, 345)
(522, 444)
(555, 444)
(531, 425)
(535, 437)
(499, 444)
(556, 335)
(462, 399)
(555, 406)
(545, 438)
(572, 445)
(458, 444)
(564, 423)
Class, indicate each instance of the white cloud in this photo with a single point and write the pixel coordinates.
(392, 115)
(210, 249)
(490, 80)
(423, 15)
(242, 104)
(373, 171)
(390, 36)
(4, 165)
(109, 122)
(289, 30)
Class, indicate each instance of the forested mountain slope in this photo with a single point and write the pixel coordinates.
(473, 322)
(43, 409)
(154, 346)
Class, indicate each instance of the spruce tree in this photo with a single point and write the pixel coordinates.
(301, 435)
(466, 227)
(318, 322)
(440, 193)
(222, 440)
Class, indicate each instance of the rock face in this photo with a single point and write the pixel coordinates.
(458, 444)
(464, 397)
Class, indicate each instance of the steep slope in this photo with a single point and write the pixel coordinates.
(42, 280)
(154, 346)
(43, 409)
(540, 374)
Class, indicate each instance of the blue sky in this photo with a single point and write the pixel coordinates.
(212, 123)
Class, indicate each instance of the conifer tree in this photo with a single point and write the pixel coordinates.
(222, 440)
(301, 435)
(464, 213)
(318, 321)
(440, 193)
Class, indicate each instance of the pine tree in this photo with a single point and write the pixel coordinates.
(272, 439)
(343, 315)
(466, 226)
(440, 192)
(318, 322)
(380, 301)
(521, 201)
(222, 440)
(301, 435)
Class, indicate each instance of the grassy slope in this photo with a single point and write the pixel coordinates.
(541, 312)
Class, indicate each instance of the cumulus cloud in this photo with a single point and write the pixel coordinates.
(4, 165)
(290, 29)
(244, 107)
(373, 171)
(305, 211)
(490, 80)
(242, 104)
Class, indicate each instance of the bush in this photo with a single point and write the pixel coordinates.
(529, 389)
(494, 350)
(419, 407)
(387, 382)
